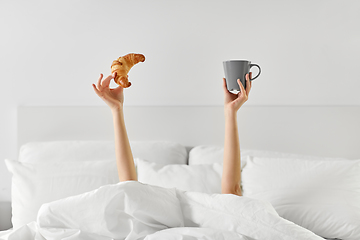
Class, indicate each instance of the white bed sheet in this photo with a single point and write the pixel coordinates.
(132, 210)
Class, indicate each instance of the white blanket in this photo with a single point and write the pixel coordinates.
(132, 210)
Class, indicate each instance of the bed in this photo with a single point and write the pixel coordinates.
(300, 173)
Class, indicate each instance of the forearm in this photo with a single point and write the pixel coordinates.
(124, 157)
(231, 163)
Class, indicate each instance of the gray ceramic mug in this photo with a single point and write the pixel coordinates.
(237, 69)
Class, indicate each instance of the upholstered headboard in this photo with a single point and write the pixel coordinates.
(322, 131)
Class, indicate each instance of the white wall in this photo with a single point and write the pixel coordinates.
(51, 52)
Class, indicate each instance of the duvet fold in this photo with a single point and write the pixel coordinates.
(132, 210)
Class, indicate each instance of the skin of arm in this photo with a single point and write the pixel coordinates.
(114, 98)
(231, 176)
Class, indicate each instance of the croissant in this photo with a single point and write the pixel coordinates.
(122, 66)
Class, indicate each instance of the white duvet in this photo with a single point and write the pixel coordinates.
(132, 210)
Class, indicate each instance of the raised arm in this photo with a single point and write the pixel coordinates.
(114, 98)
(231, 177)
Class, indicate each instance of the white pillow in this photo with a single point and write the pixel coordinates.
(322, 196)
(54, 151)
(196, 178)
(35, 184)
(207, 154)
(204, 154)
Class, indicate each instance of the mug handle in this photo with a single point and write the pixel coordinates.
(252, 65)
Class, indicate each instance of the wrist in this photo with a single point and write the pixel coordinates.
(116, 109)
(230, 113)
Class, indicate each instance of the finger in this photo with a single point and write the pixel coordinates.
(248, 83)
(250, 80)
(96, 90)
(242, 90)
(106, 82)
(99, 81)
(240, 85)
(248, 76)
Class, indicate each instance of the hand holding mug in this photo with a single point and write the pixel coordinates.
(238, 69)
(232, 101)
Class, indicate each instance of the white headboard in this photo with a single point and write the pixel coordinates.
(319, 131)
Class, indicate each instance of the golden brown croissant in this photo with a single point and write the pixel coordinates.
(122, 66)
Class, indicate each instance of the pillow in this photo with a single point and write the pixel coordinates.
(35, 184)
(322, 196)
(162, 152)
(196, 178)
(205, 154)
(54, 151)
